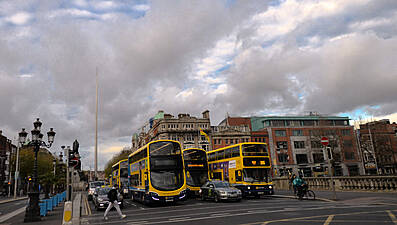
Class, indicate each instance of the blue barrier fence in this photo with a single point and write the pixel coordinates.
(47, 205)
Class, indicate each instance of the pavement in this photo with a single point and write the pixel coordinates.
(12, 211)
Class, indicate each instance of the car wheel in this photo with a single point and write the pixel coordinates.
(216, 198)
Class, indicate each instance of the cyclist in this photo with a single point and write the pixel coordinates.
(300, 185)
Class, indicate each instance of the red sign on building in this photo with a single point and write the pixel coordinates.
(324, 141)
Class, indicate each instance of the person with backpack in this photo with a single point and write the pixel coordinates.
(113, 202)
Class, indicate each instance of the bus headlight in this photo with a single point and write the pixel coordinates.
(249, 188)
(270, 187)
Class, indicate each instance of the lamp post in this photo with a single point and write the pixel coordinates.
(33, 209)
(54, 162)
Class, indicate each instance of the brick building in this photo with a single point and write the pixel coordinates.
(295, 144)
(378, 144)
(184, 128)
(6, 151)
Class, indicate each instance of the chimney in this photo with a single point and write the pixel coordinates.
(206, 114)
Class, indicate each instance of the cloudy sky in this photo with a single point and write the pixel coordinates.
(335, 57)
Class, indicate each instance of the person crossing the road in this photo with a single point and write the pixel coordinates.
(112, 196)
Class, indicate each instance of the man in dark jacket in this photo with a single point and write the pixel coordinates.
(113, 201)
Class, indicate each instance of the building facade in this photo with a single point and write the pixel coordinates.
(6, 151)
(378, 145)
(295, 144)
(184, 128)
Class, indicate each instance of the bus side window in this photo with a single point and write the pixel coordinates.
(238, 175)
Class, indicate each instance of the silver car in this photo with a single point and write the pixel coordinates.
(219, 190)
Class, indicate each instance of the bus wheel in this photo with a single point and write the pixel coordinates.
(132, 196)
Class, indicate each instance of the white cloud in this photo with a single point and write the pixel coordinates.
(141, 7)
(20, 18)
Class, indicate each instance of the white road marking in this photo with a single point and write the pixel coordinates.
(12, 214)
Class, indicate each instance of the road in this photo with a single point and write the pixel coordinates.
(270, 210)
(12, 206)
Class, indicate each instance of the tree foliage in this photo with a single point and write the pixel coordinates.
(123, 154)
(45, 168)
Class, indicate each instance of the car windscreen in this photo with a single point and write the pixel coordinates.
(96, 184)
(103, 191)
(222, 185)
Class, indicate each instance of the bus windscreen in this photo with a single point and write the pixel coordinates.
(164, 148)
(254, 150)
(256, 175)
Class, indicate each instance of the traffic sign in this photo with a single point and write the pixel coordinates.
(324, 141)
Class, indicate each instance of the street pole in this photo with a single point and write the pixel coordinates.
(16, 172)
(55, 165)
(66, 153)
(330, 173)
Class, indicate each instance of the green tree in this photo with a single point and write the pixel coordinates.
(123, 154)
(45, 168)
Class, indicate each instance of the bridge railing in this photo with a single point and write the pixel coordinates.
(358, 183)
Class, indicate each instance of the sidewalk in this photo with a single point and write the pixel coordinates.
(53, 217)
(344, 196)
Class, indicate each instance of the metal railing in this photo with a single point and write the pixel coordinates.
(359, 183)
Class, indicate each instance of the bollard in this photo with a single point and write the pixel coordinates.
(67, 213)
(43, 209)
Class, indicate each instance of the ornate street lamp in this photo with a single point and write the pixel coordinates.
(33, 209)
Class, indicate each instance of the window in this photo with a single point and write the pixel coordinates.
(231, 141)
(278, 123)
(227, 141)
(299, 144)
(349, 156)
(341, 122)
(297, 132)
(280, 133)
(315, 133)
(189, 137)
(295, 123)
(266, 123)
(346, 132)
(316, 144)
(318, 157)
(211, 156)
(283, 158)
(282, 145)
(220, 155)
(347, 143)
(301, 158)
(330, 132)
(308, 122)
(235, 151)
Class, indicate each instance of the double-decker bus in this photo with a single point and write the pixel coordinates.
(120, 175)
(246, 166)
(156, 173)
(196, 169)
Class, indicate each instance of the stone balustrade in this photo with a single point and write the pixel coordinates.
(359, 183)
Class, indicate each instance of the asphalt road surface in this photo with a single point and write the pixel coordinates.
(12, 206)
(270, 210)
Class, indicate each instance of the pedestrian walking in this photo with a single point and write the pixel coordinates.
(112, 196)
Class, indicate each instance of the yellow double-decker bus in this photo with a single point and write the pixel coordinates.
(156, 173)
(246, 166)
(120, 175)
(196, 169)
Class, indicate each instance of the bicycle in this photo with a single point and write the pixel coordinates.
(305, 192)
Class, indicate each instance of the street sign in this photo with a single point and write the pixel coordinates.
(324, 141)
